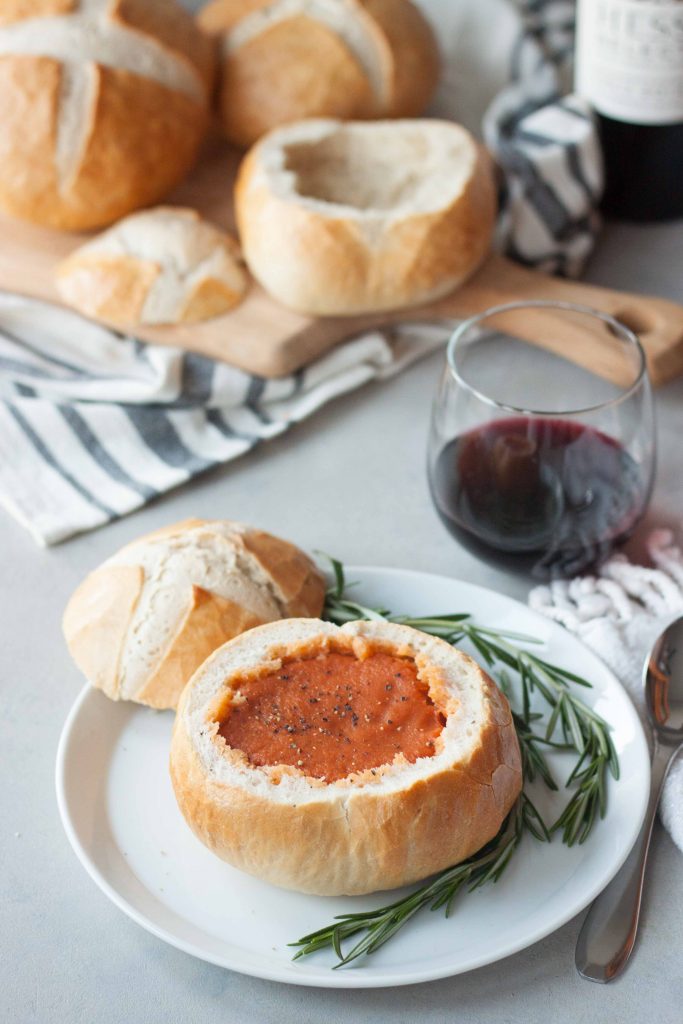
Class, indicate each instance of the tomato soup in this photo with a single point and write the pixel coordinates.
(334, 714)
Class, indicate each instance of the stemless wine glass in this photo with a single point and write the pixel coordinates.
(541, 451)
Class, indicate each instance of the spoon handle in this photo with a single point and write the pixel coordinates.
(609, 930)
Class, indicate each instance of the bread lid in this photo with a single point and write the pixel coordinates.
(140, 624)
(161, 266)
(384, 825)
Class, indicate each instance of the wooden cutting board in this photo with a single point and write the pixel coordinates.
(263, 337)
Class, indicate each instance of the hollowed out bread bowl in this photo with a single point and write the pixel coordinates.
(340, 218)
(140, 624)
(283, 60)
(260, 757)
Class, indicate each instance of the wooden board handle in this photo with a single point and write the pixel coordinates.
(657, 322)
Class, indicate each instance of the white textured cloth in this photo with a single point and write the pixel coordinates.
(619, 613)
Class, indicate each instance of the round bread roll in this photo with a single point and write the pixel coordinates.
(338, 218)
(103, 104)
(343, 760)
(140, 624)
(162, 266)
(283, 60)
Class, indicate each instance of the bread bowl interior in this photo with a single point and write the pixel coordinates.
(384, 168)
(329, 714)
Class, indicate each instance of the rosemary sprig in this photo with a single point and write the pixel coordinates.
(579, 727)
(378, 926)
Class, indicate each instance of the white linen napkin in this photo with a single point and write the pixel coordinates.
(618, 614)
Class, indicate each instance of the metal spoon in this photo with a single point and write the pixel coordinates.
(609, 931)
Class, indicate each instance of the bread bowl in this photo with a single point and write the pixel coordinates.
(300, 758)
(103, 105)
(338, 218)
(161, 266)
(140, 624)
(283, 60)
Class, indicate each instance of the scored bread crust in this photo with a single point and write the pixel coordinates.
(135, 137)
(376, 829)
(131, 650)
(334, 259)
(272, 79)
(299, 66)
(165, 265)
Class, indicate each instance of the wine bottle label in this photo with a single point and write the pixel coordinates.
(629, 59)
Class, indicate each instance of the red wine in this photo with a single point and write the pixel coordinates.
(629, 65)
(546, 496)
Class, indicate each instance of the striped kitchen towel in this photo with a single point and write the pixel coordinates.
(94, 424)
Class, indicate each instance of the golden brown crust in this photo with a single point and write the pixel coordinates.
(390, 839)
(314, 71)
(208, 298)
(140, 137)
(209, 621)
(450, 243)
(415, 61)
(112, 288)
(291, 571)
(359, 837)
(126, 162)
(29, 91)
(97, 618)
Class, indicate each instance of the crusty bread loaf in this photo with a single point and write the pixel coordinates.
(339, 218)
(140, 624)
(283, 60)
(103, 104)
(376, 829)
(162, 266)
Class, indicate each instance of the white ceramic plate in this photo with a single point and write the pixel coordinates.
(120, 815)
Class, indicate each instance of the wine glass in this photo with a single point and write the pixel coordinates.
(542, 444)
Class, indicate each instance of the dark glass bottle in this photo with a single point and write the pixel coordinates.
(629, 65)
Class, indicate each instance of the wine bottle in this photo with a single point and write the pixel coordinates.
(629, 65)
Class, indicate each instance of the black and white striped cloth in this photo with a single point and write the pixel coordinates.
(546, 144)
(93, 425)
